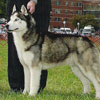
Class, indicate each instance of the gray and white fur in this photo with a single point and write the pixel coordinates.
(42, 51)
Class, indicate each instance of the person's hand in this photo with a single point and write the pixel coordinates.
(31, 6)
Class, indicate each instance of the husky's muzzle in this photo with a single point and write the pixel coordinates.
(7, 26)
(8, 30)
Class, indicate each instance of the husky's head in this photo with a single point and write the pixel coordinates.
(20, 20)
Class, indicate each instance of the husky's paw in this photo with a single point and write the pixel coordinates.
(32, 94)
(86, 91)
(25, 91)
(98, 96)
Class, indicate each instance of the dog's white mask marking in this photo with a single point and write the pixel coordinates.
(16, 24)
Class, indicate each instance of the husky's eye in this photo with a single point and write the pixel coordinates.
(16, 19)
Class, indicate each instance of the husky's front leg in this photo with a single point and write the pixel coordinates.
(26, 80)
(35, 74)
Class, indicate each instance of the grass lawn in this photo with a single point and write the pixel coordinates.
(62, 84)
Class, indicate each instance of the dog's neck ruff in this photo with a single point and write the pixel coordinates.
(18, 37)
(19, 33)
(27, 39)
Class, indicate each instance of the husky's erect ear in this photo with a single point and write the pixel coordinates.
(24, 10)
(14, 9)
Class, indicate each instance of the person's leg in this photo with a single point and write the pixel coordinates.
(43, 80)
(42, 24)
(15, 69)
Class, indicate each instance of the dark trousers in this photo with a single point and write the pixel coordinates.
(15, 69)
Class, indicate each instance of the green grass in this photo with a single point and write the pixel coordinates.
(62, 84)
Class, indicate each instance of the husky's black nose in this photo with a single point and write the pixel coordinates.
(7, 26)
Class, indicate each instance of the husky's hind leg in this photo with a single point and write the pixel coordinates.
(84, 80)
(35, 74)
(95, 82)
(26, 80)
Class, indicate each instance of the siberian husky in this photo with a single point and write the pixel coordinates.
(42, 51)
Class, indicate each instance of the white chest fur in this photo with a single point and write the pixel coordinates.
(24, 57)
